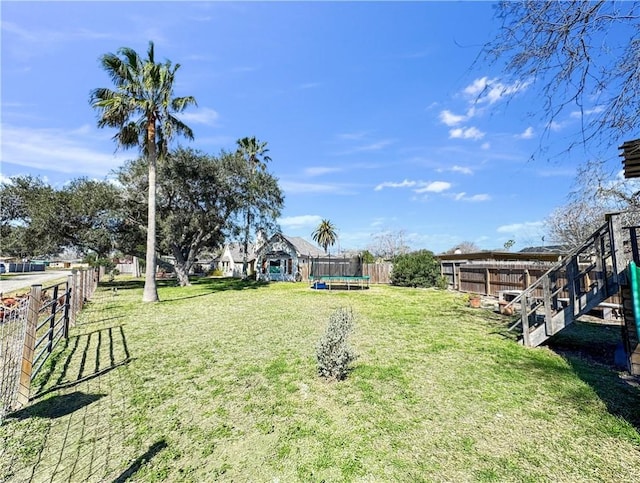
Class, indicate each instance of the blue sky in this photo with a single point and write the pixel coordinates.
(375, 114)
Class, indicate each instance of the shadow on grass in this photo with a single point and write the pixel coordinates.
(153, 450)
(109, 344)
(590, 351)
(57, 406)
(214, 285)
(136, 284)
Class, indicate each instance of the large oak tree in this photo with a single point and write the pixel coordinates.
(200, 203)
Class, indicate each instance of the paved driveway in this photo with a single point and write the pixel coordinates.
(23, 281)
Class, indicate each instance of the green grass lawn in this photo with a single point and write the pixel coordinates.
(218, 382)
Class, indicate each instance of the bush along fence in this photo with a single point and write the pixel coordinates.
(31, 325)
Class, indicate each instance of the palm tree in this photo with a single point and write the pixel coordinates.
(325, 235)
(254, 154)
(142, 108)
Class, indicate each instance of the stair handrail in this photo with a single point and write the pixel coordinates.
(555, 268)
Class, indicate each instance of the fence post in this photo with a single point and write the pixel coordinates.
(80, 289)
(52, 322)
(67, 306)
(28, 349)
(75, 295)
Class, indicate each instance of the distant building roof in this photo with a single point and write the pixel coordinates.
(558, 249)
(303, 247)
(236, 250)
(631, 158)
(502, 255)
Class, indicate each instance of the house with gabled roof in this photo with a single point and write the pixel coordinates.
(230, 261)
(285, 258)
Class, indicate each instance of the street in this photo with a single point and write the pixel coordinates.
(22, 282)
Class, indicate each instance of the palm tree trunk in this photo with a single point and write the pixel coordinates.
(150, 292)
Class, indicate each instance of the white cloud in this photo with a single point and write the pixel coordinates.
(418, 186)
(519, 227)
(477, 87)
(309, 85)
(391, 184)
(353, 136)
(462, 169)
(485, 90)
(301, 221)
(468, 133)
(320, 170)
(555, 126)
(203, 115)
(556, 172)
(375, 146)
(434, 187)
(485, 146)
(587, 112)
(311, 188)
(244, 69)
(473, 198)
(476, 198)
(59, 150)
(451, 119)
(526, 134)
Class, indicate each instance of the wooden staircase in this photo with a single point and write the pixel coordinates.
(587, 277)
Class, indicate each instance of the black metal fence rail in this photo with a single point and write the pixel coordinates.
(54, 325)
(31, 328)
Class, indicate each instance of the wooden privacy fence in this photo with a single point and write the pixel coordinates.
(490, 278)
(378, 273)
(31, 326)
(487, 278)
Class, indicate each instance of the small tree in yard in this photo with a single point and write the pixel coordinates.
(333, 351)
(417, 269)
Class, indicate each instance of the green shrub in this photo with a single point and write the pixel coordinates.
(333, 351)
(417, 269)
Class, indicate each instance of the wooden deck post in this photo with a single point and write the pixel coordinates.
(487, 283)
(620, 260)
(548, 314)
(572, 273)
(524, 314)
(631, 340)
(33, 311)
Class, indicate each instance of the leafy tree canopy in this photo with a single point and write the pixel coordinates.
(200, 202)
(38, 220)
